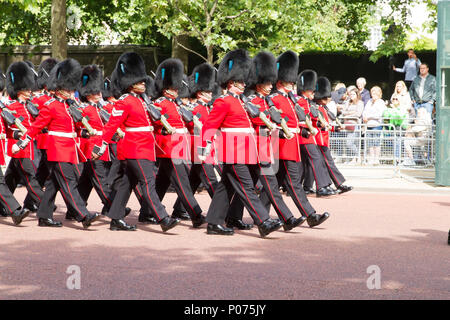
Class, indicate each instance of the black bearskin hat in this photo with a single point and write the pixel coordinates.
(91, 81)
(19, 76)
(44, 70)
(203, 78)
(323, 89)
(169, 74)
(234, 67)
(130, 69)
(65, 75)
(287, 65)
(263, 69)
(115, 90)
(106, 88)
(184, 91)
(307, 80)
(150, 88)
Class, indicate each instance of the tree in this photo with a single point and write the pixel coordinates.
(58, 27)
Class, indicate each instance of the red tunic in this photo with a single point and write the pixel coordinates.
(87, 145)
(19, 110)
(237, 140)
(41, 138)
(139, 142)
(323, 137)
(289, 149)
(202, 110)
(62, 143)
(2, 142)
(177, 145)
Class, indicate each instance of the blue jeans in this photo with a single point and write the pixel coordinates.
(426, 105)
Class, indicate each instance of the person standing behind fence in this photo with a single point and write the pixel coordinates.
(423, 90)
(365, 94)
(410, 67)
(351, 114)
(417, 135)
(373, 118)
(402, 100)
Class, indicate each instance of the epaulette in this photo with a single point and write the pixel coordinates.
(273, 95)
(9, 102)
(160, 99)
(123, 96)
(252, 96)
(38, 95)
(49, 101)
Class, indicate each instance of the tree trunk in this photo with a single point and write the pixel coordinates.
(210, 55)
(58, 29)
(179, 52)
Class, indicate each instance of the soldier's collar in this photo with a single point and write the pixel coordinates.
(282, 93)
(59, 99)
(200, 102)
(259, 95)
(233, 94)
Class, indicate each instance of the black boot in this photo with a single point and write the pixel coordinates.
(198, 221)
(87, 221)
(269, 226)
(219, 229)
(324, 192)
(293, 222)
(168, 223)
(182, 215)
(18, 215)
(316, 219)
(147, 220)
(119, 224)
(343, 188)
(238, 224)
(49, 223)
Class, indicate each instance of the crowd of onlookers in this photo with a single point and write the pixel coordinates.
(409, 109)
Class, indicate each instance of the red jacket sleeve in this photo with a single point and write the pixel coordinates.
(214, 121)
(118, 116)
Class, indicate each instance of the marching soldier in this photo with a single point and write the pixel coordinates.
(312, 158)
(136, 151)
(237, 149)
(262, 74)
(19, 83)
(290, 168)
(322, 97)
(63, 153)
(173, 152)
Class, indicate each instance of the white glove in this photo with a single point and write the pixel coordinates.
(15, 148)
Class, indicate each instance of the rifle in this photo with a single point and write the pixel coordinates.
(156, 114)
(78, 116)
(275, 114)
(254, 112)
(186, 114)
(304, 117)
(104, 115)
(10, 119)
(198, 125)
(32, 108)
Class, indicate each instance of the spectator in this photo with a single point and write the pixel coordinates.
(410, 67)
(417, 135)
(365, 94)
(351, 116)
(373, 118)
(423, 90)
(402, 100)
(339, 93)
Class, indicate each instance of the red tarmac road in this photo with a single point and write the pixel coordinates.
(405, 235)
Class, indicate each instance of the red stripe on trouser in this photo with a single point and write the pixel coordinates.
(271, 194)
(329, 168)
(28, 181)
(68, 189)
(243, 189)
(6, 203)
(99, 183)
(207, 178)
(148, 192)
(292, 188)
(312, 166)
(181, 186)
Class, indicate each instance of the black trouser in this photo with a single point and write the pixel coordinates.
(311, 156)
(7, 199)
(42, 174)
(289, 175)
(199, 173)
(64, 178)
(135, 172)
(334, 172)
(22, 169)
(237, 179)
(176, 171)
(114, 165)
(94, 175)
(270, 194)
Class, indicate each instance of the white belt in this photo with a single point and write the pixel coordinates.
(63, 134)
(294, 130)
(139, 129)
(181, 130)
(238, 130)
(99, 133)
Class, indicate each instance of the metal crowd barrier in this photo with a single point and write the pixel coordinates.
(413, 147)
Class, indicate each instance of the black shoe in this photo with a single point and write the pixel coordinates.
(127, 211)
(316, 219)
(168, 223)
(309, 190)
(104, 211)
(87, 221)
(324, 192)
(19, 215)
(197, 222)
(293, 222)
(119, 224)
(49, 223)
(147, 220)
(238, 224)
(182, 215)
(268, 226)
(3, 212)
(219, 229)
(32, 207)
(334, 191)
(70, 216)
(343, 188)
